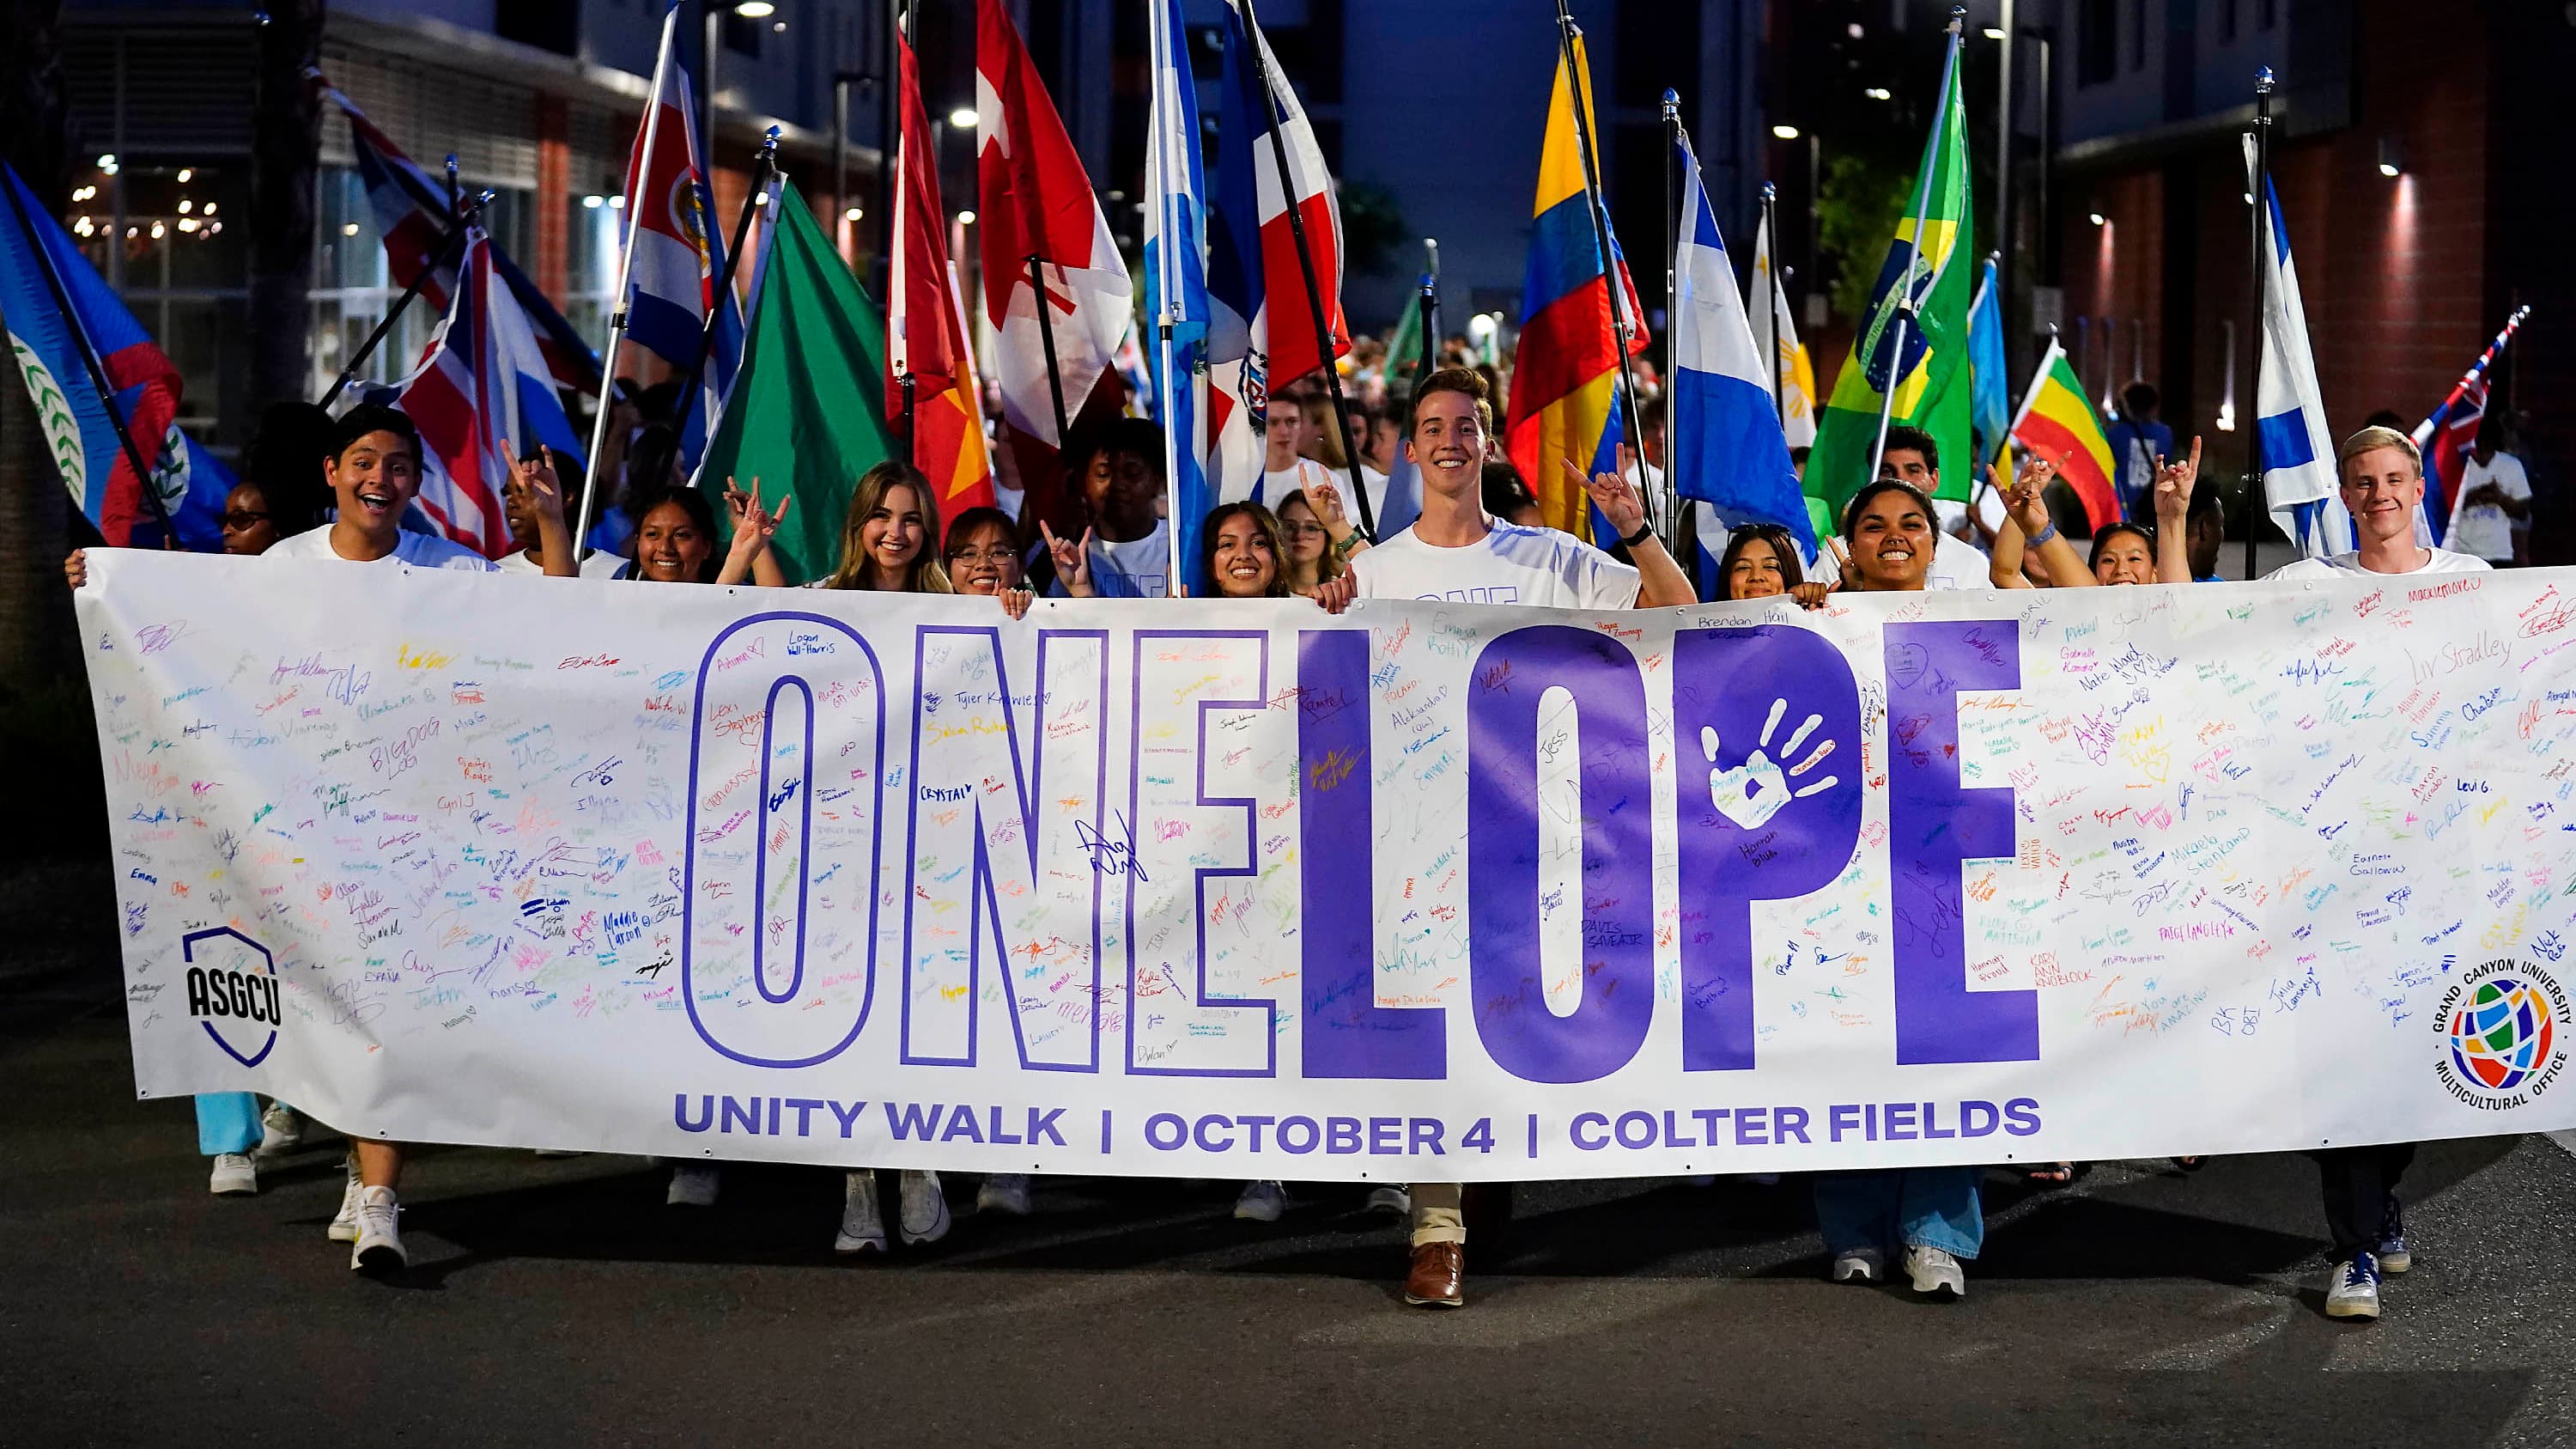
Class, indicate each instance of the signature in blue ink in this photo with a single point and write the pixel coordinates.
(1111, 857)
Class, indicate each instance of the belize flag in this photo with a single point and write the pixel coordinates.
(78, 431)
(1727, 446)
(1564, 396)
(481, 391)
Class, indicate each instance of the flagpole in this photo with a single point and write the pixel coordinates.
(1046, 341)
(1771, 292)
(2262, 192)
(1674, 521)
(1430, 309)
(761, 166)
(90, 361)
(1913, 255)
(1306, 261)
(1620, 330)
(625, 299)
(449, 249)
(1159, 41)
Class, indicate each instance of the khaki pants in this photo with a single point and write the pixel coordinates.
(1436, 1214)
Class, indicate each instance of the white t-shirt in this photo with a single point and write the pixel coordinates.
(600, 565)
(420, 550)
(1956, 564)
(2437, 561)
(1137, 570)
(1510, 565)
(2485, 531)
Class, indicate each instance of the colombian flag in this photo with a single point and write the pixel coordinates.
(2057, 424)
(1565, 385)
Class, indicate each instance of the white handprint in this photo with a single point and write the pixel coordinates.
(1753, 792)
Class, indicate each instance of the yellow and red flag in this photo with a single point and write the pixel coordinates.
(2058, 424)
(924, 334)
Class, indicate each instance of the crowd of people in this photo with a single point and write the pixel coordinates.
(323, 488)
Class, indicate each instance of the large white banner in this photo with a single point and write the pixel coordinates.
(1430, 891)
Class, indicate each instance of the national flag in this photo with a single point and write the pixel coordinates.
(483, 383)
(1035, 202)
(807, 414)
(1564, 395)
(1989, 391)
(77, 429)
(1928, 269)
(2446, 437)
(414, 214)
(2298, 455)
(924, 338)
(1775, 333)
(1262, 327)
(674, 247)
(1176, 295)
(1727, 447)
(2057, 423)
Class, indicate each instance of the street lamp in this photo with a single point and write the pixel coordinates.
(963, 118)
(716, 12)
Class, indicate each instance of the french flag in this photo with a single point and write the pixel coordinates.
(1261, 326)
(413, 214)
(482, 384)
(1727, 446)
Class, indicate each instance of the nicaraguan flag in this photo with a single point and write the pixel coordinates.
(2299, 485)
(1176, 296)
(1727, 447)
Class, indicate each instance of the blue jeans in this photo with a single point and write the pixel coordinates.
(227, 1122)
(1900, 1207)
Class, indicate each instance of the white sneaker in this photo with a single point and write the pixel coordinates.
(1935, 1273)
(379, 1248)
(344, 1226)
(693, 1184)
(2353, 1291)
(862, 1226)
(1394, 1201)
(1263, 1202)
(1860, 1265)
(234, 1173)
(925, 1207)
(281, 1130)
(1004, 1192)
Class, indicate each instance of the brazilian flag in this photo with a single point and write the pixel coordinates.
(1933, 389)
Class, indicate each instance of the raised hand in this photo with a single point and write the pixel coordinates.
(1072, 560)
(1326, 499)
(2174, 480)
(753, 526)
(2026, 499)
(537, 476)
(1614, 495)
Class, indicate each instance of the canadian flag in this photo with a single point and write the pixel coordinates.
(1036, 202)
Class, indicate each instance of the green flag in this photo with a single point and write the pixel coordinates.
(1933, 391)
(1404, 348)
(807, 412)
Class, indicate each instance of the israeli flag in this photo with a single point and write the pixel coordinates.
(1727, 447)
(2300, 485)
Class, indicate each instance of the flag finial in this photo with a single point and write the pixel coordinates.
(1672, 103)
(2263, 81)
(1958, 19)
(1770, 192)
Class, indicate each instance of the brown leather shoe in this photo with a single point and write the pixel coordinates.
(1439, 1276)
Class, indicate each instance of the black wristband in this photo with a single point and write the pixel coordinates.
(1645, 530)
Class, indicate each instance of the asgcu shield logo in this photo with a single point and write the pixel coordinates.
(232, 992)
(2503, 1034)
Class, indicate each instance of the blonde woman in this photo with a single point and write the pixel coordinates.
(891, 542)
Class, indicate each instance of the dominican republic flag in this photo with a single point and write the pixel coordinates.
(1037, 202)
(1176, 294)
(2446, 437)
(1727, 446)
(1261, 330)
(674, 247)
(2299, 483)
(413, 214)
(483, 383)
(78, 432)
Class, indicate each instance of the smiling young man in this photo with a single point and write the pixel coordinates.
(2383, 487)
(1456, 550)
(1912, 458)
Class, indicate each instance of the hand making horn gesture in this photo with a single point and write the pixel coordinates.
(2174, 480)
(1072, 561)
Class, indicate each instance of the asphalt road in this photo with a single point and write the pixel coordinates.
(557, 1301)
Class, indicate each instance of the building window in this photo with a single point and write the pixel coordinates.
(2097, 42)
(741, 36)
(355, 286)
(2137, 34)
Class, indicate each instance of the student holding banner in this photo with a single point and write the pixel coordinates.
(1760, 562)
(2382, 478)
(1456, 550)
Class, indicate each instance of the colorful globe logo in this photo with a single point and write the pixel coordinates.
(2500, 1035)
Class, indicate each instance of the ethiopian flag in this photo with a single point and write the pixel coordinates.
(807, 413)
(2057, 423)
(1565, 383)
(1933, 390)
